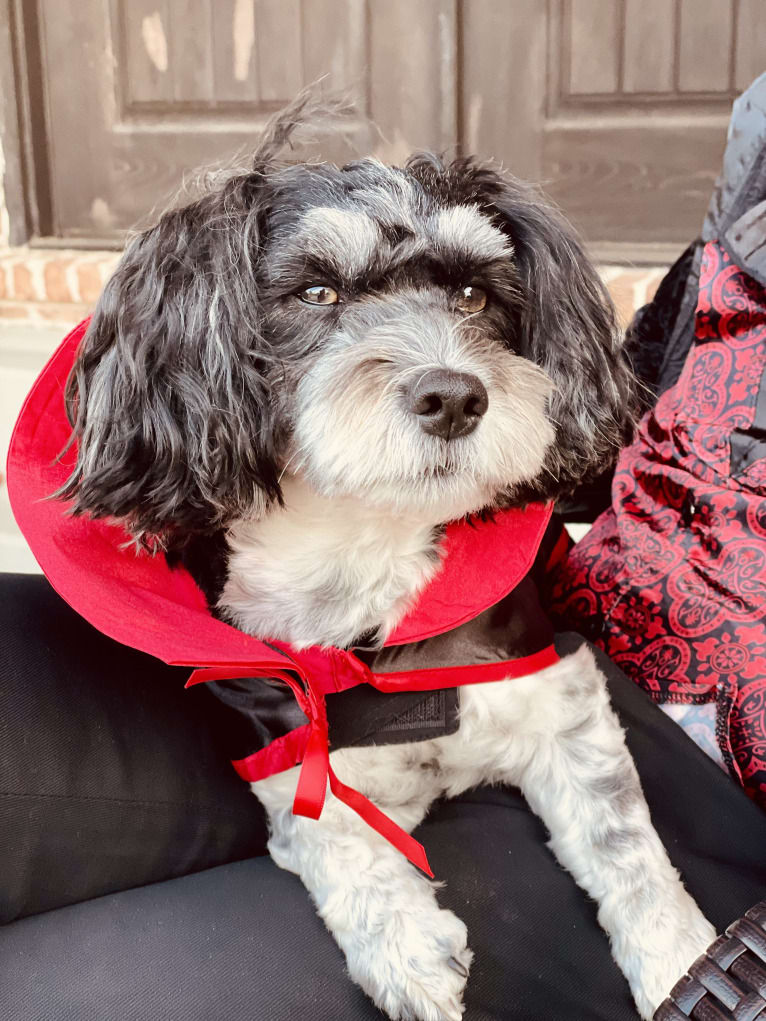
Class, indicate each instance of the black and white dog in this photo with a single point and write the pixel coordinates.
(307, 372)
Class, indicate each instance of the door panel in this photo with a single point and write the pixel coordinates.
(647, 53)
(504, 82)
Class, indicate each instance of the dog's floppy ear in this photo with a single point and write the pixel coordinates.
(169, 398)
(567, 325)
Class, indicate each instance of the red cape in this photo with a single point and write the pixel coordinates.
(136, 599)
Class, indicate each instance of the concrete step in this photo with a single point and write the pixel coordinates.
(24, 349)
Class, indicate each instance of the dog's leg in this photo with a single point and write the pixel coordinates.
(563, 745)
(401, 948)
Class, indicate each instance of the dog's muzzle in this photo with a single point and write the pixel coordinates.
(448, 404)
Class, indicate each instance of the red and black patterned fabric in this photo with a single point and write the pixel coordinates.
(671, 580)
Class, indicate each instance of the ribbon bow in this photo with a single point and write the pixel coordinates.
(316, 770)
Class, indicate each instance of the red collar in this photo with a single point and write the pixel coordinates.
(139, 601)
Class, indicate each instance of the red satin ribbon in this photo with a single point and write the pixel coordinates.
(338, 671)
(312, 786)
(316, 770)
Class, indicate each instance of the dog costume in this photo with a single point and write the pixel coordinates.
(477, 621)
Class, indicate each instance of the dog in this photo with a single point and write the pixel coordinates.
(293, 383)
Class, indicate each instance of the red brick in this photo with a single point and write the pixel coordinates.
(56, 284)
(89, 281)
(621, 290)
(654, 283)
(23, 286)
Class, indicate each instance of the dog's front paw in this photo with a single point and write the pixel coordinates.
(674, 949)
(416, 966)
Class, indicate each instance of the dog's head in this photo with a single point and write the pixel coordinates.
(430, 338)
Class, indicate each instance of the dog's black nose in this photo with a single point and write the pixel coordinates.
(448, 404)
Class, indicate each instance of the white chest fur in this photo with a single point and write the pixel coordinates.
(322, 571)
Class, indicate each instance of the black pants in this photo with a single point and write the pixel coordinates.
(134, 882)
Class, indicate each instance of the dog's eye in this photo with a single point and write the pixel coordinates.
(471, 299)
(319, 294)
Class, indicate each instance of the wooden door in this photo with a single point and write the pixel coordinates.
(140, 92)
(618, 107)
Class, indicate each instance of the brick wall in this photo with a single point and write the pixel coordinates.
(45, 285)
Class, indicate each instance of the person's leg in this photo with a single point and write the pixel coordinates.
(109, 775)
(539, 952)
(244, 941)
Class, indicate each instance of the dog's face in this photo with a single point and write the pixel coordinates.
(396, 307)
(430, 339)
